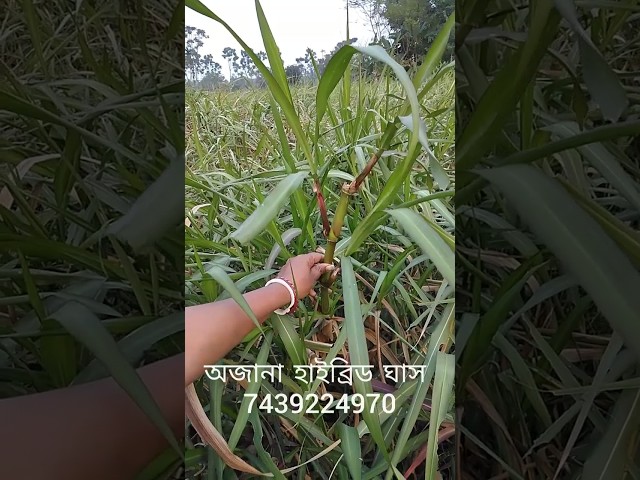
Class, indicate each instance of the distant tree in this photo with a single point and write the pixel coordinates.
(374, 12)
(194, 40)
(306, 65)
(414, 25)
(230, 55)
(211, 73)
(295, 73)
(245, 69)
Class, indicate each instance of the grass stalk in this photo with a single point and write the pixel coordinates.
(348, 189)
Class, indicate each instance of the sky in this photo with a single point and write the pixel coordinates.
(296, 25)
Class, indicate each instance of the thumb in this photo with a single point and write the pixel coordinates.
(319, 268)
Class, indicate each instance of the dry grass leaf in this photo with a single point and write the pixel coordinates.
(211, 436)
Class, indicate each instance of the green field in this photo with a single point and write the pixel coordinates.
(393, 302)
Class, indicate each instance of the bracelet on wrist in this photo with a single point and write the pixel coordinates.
(293, 305)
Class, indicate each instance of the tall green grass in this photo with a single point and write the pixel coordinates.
(261, 163)
(89, 119)
(548, 243)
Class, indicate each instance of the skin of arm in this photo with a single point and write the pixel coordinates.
(213, 329)
(95, 430)
(227, 323)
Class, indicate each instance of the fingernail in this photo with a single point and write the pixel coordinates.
(330, 267)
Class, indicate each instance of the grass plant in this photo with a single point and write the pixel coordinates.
(278, 172)
(548, 243)
(91, 115)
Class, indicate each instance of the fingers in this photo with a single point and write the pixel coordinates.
(334, 275)
(313, 258)
(319, 268)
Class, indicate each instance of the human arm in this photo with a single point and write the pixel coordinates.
(213, 329)
(92, 430)
(95, 430)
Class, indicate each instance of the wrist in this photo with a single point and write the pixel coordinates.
(279, 294)
(292, 304)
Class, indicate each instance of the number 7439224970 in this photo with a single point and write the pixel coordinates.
(312, 403)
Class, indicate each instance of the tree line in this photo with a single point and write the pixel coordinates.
(405, 28)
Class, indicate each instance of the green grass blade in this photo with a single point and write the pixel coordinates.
(441, 401)
(439, 337)
(523, 374)
(220, 276)
(132, 276)
(597, 134)
(136, 343)
(252, 388)
(428, 240)
(483, 446)
(437, 171)
(500, 98)
(268, 209)
(603, 83)
(139, 227)
(610, 457)
(339, 63)
(63, 181)
(351, 448)
(358, 351)
(587, 252)
(44, 248)
(479, 344)
(434, 55)
(601, 159)
(267, 461)
(21, 107)
(626, 237)
(32, 288)
(293, 344)
(35, 29)
(58, 354)
(605, 364)
(273, 53)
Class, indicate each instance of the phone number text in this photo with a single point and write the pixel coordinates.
(311, 403)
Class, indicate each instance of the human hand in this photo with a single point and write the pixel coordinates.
(303, 271)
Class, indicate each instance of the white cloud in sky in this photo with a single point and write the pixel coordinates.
(296, 25)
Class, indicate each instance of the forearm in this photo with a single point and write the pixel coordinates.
(93, 430)
(213, 329)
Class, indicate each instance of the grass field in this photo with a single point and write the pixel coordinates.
(89, 119)
(393, 303)
(548, 246)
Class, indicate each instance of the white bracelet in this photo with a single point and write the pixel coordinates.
(283, 311)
